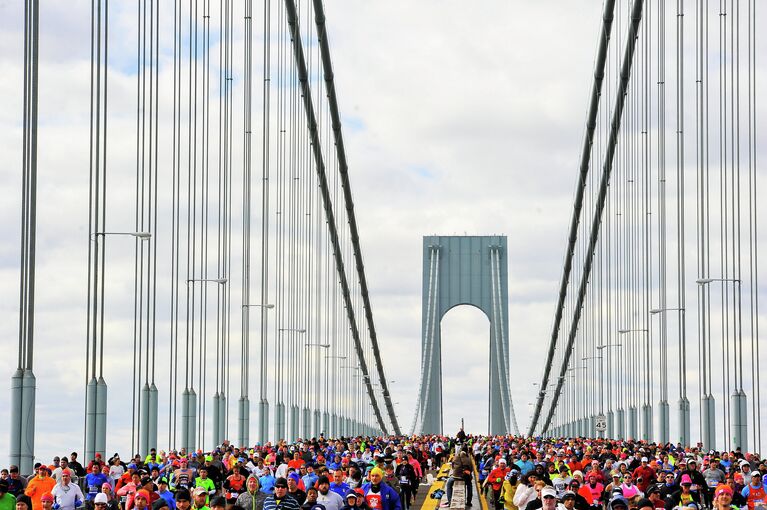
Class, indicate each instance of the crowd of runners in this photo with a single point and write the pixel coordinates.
(318, 474)
(596, 474)
(385, 473)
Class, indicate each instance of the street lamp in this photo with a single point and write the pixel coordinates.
(624, 331)
(219, 281)
(591, 357)
(704, 281)
(606, 346)
(140, 235)
(268, 306)
(661, 310)
(296, 330)
(324, 346)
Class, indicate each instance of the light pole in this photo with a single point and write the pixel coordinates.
(243, 409)
(96, 387)
(656, 311)
(315, 416)
(331, 417)
(220, 281)
(287, 411)
(705, 281)
(141, 235)
(738, 403)
(633, 411)
(663, 406)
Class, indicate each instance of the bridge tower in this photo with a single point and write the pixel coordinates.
(464, 270)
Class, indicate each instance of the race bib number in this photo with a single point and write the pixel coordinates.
(403, 480)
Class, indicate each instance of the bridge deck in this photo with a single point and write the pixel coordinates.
(429, 500)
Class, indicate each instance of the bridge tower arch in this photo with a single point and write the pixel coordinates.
(464, 270)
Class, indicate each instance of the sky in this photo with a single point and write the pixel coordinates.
(459, 119)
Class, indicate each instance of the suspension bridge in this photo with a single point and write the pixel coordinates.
(223, 263)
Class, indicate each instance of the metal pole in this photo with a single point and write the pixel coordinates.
(153, 409)
(100, 418)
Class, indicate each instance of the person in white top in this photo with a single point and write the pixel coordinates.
(326, 497)
(67, 495)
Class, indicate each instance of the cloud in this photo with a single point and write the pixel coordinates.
(458, 118)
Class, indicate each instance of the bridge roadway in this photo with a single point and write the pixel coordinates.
(436, 496)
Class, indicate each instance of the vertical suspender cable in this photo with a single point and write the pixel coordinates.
(752, 226)
(243, 416)
(636, 17)
(596, 91)
(320, 167)
(263, 428)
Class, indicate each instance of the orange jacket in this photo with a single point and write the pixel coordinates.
(38, 486)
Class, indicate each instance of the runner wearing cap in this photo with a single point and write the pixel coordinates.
(217, 503)
(653, 495)
(644, 474)
(280, 500)
(754, 492)
(593, 489)
(568, 500)
(690, 468)
(200, 499)
(723, 497)
(495, 480)
(350, 500)
(618, 503)
(329, 499)
(39, 485)
(167, 495)
(684, 496)
(183, 499)
(183, 477)
(378, 495)
(294, 490)
(46, 500)
(548, 498)
(252, 498)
